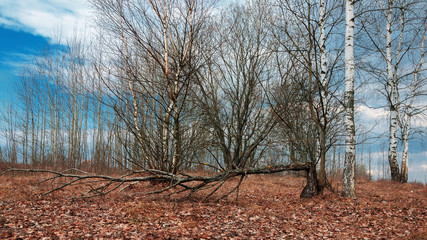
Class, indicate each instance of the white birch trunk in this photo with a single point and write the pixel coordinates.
(391, 88)
(348, 189)
(407, 125)
(323, 94)
(176, 158)
(166, 123)
(404, 170)
(323, 64)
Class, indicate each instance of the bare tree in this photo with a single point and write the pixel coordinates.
(393, 30)
(54, 106)
(348, 189)
(175, 84)
(155, 66)
(302, 62)
(409, 108)
(10, 132)
(230, 94)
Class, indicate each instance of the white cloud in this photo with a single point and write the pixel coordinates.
(372, 113)
(47, 18)
(373, 120)
(419, 122)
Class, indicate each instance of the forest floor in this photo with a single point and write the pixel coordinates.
(268, 207)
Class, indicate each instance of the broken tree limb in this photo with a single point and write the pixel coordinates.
(180, 183)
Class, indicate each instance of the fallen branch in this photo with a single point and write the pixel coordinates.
(180, 183)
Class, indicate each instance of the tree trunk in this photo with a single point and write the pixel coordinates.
(176, 158)
(391, 88)
(322, 152)
(404, 170)
(348, 189)
(323, 95)
(407, 125)
(312, 187)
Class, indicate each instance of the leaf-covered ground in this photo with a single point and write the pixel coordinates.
(268, 207)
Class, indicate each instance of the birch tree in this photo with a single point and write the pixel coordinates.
(323, 81)
(410, 109)
(392, 98)
(393, 31)
(9, 117)
(176, 84)
(154, 50)
(302, 59)
(348, 189)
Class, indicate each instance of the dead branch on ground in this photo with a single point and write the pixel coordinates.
(181, 184)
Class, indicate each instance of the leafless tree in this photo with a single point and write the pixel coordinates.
(392, 31)
(313, 73)
(348, 189)
(408, 108)
(154, 49)
(229, 92)
(10, 125)
(170, 85)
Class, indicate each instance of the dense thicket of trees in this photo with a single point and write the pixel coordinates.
(178, 85)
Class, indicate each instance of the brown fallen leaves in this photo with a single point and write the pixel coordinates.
(268, 207)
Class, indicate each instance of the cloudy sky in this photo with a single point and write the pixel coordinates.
(43, 17)
(26, 26)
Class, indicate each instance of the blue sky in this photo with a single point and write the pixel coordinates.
(26, 26)
(16, 47)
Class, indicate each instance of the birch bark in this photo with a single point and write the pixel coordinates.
(323, 81)
(391, 89)
(348, 189)
(406, 126)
